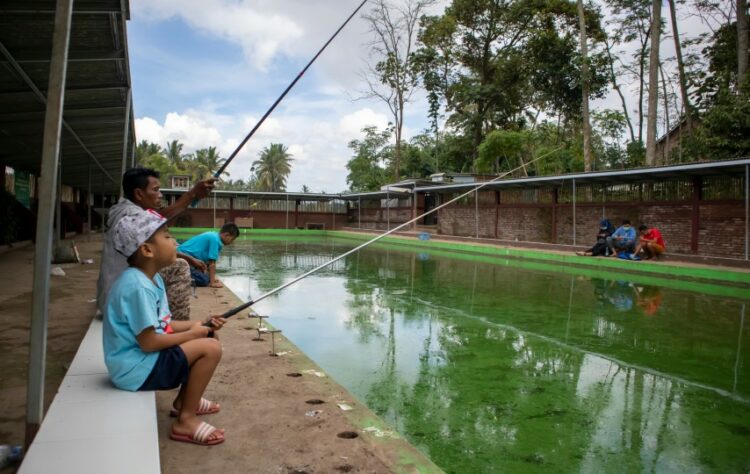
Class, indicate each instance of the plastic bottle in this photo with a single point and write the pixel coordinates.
(10, 454)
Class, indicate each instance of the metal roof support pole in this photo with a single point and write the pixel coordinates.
(89, 202)
(125, 134)
(747, 209)
(43, 247)
(333, 211)
(388, 208)
(574, 212)
(58, 208)
(476, 213)
(359, 212)
(414, 208)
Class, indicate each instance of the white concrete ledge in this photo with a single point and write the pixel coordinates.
(93, 427)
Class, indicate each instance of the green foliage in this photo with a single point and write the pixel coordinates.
(503, 150)
(367, 169)
(272, 168)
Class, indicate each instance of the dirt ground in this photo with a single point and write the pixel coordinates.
(274, 422)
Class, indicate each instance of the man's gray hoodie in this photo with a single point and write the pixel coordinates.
(113, 262)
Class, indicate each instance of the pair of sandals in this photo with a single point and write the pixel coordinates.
(202, 434)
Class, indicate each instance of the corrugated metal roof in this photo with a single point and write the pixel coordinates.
(710, 168)
(98, 80)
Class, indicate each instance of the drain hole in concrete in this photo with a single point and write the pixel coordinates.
(348, 435)
(294, 374)
(315, 401)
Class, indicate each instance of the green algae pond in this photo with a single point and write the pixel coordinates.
(504, 365)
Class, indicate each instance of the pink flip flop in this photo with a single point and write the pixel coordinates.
(200, 436)
(205, 407)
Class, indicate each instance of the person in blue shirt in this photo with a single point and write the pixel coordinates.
(144, 349)
(206, 247)
(623, 240)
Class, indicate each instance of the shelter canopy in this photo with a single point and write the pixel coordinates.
(98, 128)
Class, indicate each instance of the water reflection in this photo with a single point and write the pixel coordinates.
(496, 368)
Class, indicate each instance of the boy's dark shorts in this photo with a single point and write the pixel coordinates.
(170, 371)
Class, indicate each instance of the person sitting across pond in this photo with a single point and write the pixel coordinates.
(650, 243)
(600, 248)
(623, 239)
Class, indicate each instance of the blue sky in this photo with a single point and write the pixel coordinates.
(205, 71)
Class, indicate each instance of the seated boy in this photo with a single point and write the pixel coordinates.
(206, 248)
(623, 239)
(143, 348)
(651, 243)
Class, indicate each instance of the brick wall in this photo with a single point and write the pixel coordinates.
(462, 221)
(526, 224)
(722, 230)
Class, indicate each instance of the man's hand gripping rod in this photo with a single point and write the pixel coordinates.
(239, 308)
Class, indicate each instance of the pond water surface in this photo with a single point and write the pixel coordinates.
(494, 365)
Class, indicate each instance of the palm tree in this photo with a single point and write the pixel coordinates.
(173, 152)
(272, 168)
(305, 189)
(206, 162)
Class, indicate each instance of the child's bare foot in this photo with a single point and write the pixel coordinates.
(197, 432)
(205, 407)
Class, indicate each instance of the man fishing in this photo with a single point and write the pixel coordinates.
(141, 190)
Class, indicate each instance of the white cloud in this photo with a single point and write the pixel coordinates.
(261, 34)
(351, 125)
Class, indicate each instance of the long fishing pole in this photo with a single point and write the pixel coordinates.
(281, 97)
(239, 308)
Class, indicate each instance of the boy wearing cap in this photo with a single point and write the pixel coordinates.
(143, 348)
(600, 248)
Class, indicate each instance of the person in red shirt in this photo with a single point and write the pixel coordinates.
(650, 242)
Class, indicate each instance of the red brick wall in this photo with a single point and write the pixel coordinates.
(526, 224)
(461, 220)
(261, 219)
(722, 230)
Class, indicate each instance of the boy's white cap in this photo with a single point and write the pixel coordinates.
(135, 229)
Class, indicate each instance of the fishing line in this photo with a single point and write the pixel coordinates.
(239, 308)
(283, 94)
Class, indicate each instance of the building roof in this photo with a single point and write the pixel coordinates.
(633, 175)
(96, 105)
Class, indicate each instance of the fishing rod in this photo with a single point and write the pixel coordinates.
(239, 308)
(283, 94)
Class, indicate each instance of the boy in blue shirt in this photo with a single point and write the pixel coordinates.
(206, 248)
(143, 348)
(623, 240)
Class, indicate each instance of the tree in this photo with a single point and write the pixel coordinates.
(586, 123)
(680, 67)
(305, 189)
(393, 79)
(173, 152)
(742, 41)
(653, 83)
(367, 168)
(205, 163)
(273, 167)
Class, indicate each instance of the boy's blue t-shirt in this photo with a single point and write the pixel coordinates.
(204, 247)
(627, 234)
(134, 304)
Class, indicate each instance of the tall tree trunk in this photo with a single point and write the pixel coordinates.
(664, 158)
(653, 83)
(641, 85)
(681, 67)
(587, 158)
(742, 41)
